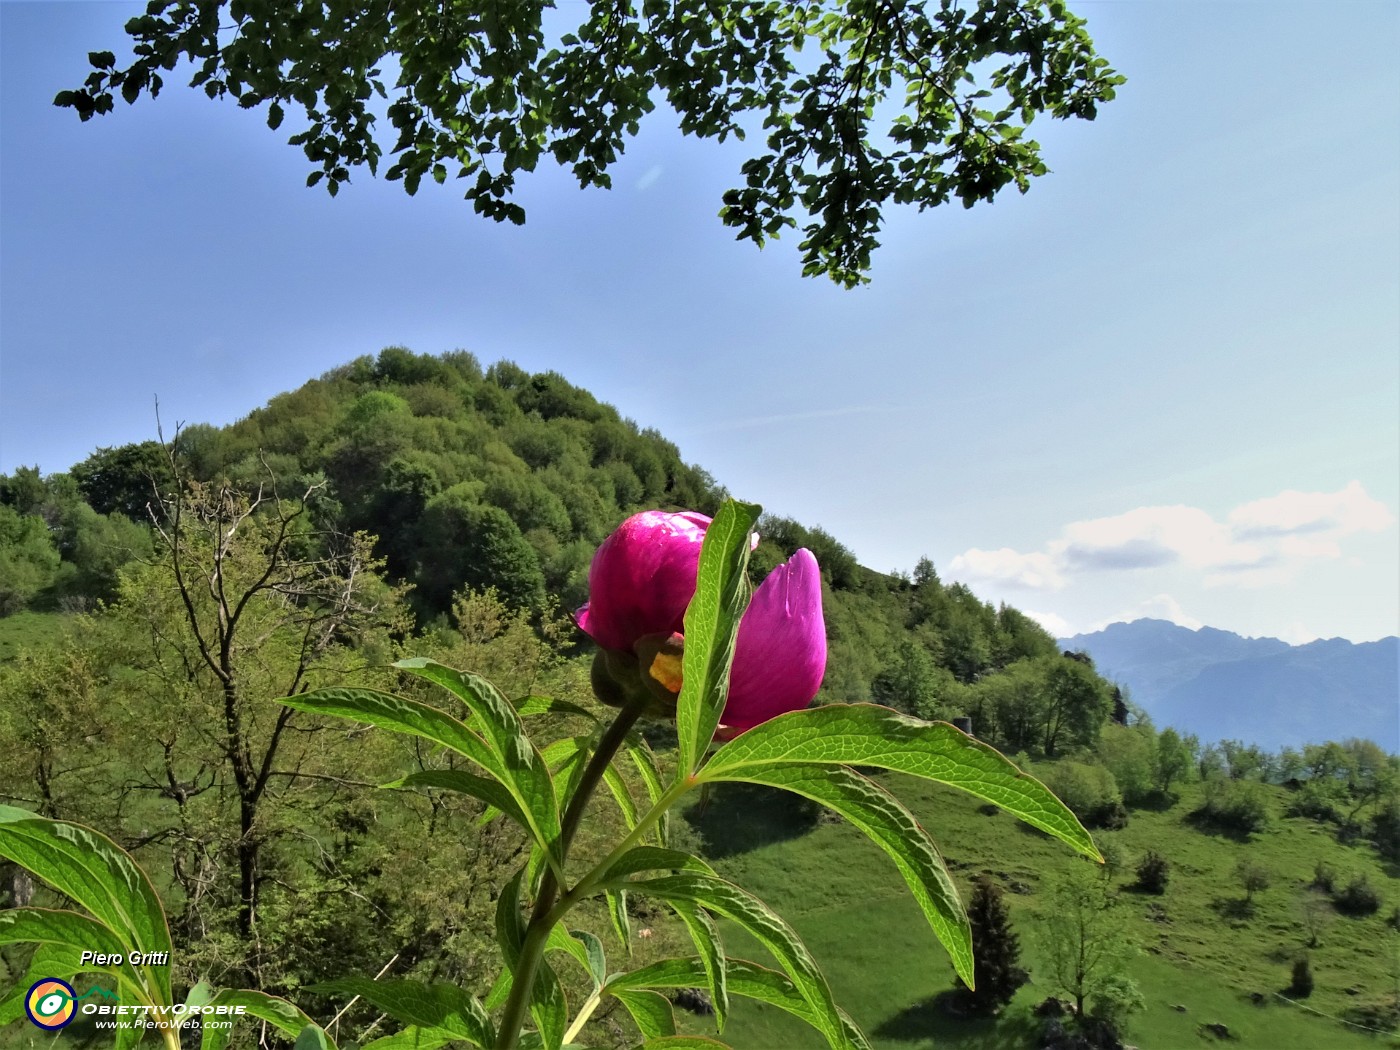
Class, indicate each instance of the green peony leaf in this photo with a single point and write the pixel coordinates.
(521, 767)
(743, 978)
(645, 760)
(738, 905)
(79, 933)
(275, 1011)
(516, 765)
(99, 876)
(893, 828)
(650, 1010)
(492, 792)
(868, 735)
(705, 936)
(711, 626)
(622, 925)
(652, 858)
(412, 1038)
(429, 1007)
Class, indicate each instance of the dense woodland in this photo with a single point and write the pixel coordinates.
(407, 504)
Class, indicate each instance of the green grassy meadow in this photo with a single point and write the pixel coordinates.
(1200, 950)
(28, 630)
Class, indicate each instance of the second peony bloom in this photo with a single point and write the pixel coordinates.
(640, 583)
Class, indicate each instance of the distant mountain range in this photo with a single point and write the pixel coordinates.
(1220, 685)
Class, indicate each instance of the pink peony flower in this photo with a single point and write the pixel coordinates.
(642, 579)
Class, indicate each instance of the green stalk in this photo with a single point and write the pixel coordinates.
(585, 1012)
(544, 917)
(590, 882)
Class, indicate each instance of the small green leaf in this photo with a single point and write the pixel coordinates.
(621, 923)
(427, 1006)
(572, 945)
(618, 788)
(78, 932)
(651, 858)
(492, 792)
(413, 1038)
(275, 1011)
(510, 924)
(705, 936)
(523, 774)
(868, 735)
(711, 627)
(651, 1011)
(312, 1037)
(743, 978)
(645, 760)
(98, 875)
(200, 994)
(738, 905)
(594, 960)
(548, 1008)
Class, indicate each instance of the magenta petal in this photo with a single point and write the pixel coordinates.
(780, 655)
(643, 577)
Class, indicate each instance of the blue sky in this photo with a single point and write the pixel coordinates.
(1164, 382)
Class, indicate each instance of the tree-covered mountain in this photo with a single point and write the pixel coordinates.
(1220, 685)
(472, 477)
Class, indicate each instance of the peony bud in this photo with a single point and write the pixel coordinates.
(640, 583)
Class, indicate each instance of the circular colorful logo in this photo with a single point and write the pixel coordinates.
(49, 1003)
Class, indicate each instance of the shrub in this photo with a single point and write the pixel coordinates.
(1235, 805)
(1358, 897)
(1302, 985)
(1117, 998)
(1090, 791)
(1314, 801)
(1113, 859)
(1324, 877)
(1152, 873)
(1252, 878)
(1385, 829)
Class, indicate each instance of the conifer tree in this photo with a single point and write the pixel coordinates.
(996, 951)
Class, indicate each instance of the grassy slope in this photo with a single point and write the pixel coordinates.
(25, 630)
(854, 912)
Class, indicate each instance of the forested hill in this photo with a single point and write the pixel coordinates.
(473, 478)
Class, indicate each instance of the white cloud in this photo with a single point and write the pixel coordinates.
(1055, 624)
(1333, 514)
(1149, 537)
(1258, 544)
(1034, 572)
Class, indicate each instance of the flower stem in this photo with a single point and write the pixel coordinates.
(541, 919)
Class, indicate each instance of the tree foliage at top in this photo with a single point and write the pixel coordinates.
(859, 103)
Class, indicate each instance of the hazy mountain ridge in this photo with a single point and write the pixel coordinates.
(1221, 685)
